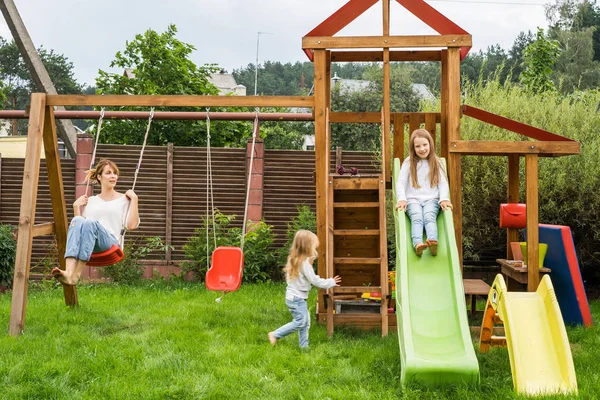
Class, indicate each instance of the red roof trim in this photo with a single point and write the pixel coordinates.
(354, 8)
(340, 19)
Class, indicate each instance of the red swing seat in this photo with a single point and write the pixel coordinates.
(227, 267)
(107, 257)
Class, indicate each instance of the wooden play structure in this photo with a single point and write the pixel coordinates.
(351, 211)
(351, 220)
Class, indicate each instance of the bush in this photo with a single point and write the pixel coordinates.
(130, 269)
(8, 251)
(306, 219)
(259, 257)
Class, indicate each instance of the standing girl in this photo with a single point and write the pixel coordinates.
(98, 221)
(300, 275)
(421, 189)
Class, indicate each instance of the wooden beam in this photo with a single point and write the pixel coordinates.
(454, 159)
(180, 101)
(386, 17)
(502, 148)
(44, 229)
(321, 162)
(532, 200)
(370, 42)
(385, 122)
(31, 175)
(57, 195)
(512, 235)
(375, 117)
(414, 123)
(383, 268)
(512, 125)
(444, 106)
(330, 250)
(431, 126)
(398, 137)
(377, 56)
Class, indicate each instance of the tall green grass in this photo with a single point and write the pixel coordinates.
(172, 341)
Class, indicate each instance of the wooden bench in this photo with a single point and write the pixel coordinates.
(516, 276)
(474, 288)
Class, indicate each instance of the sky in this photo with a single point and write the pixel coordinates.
(225, 32)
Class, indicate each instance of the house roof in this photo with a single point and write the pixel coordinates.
(223, 80)
(354, 8)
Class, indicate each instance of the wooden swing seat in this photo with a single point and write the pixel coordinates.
(107, 257)
(227, 267)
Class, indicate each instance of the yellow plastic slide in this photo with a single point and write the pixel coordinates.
(538, 346)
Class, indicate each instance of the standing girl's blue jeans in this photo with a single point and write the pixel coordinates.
(300, 321)
(85, 237)
(420, 215)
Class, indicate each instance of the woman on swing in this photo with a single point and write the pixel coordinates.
(98, 220)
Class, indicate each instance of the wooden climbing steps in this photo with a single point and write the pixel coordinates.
(357, 250)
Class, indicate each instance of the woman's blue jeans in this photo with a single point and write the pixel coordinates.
(86, 237)
(300, 321)
(426, 215)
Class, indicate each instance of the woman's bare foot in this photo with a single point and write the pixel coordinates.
(419, 248)
(272, 338)
(60, 276)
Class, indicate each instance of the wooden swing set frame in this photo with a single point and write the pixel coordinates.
(322, 48)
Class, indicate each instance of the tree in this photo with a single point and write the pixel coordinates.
(540, 57)
(159, 64)
(369, 98)
(575, 67)
(18, 84)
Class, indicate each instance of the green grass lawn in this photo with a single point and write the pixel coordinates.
(166, 340)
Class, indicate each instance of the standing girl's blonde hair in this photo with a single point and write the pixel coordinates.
(434, 164)
(300, 277)
(303, 247)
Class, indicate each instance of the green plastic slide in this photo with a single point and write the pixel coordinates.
(433, 331)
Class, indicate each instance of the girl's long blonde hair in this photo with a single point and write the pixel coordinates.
(304, 246)
(94, 173)
(434, 161)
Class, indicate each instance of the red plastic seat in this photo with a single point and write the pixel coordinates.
(226, 272)
(107, 257)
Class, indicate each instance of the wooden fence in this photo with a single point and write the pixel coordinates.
(173, 208)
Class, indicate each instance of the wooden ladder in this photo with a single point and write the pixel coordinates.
(357, 244)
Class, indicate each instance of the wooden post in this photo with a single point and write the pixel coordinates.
(321, 161)
(512, 235)
(31, 175)
(169, 210)
(398, 137)
(57, 194)
(385, 144)
(431, 125)
(453, 133)
(444, 107)
(532, 256)
(338, 156)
